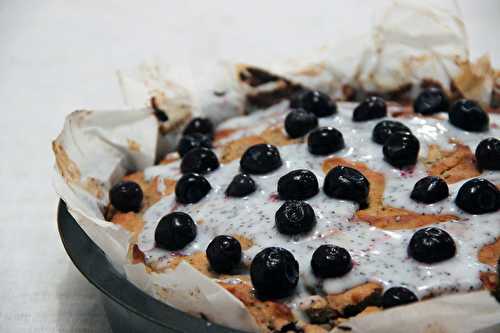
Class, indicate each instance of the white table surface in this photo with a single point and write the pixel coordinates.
(57, 56)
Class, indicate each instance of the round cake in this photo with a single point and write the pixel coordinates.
(313, 211)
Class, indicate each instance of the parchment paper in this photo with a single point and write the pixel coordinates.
(95, 149)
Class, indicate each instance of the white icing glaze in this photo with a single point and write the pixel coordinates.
(379, 255)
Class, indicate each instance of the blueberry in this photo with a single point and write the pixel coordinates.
(241, 186)
(430, 190)
(325, 141)
(488, 154)
(199, 160)
(126, 196)
(295, 217)
(201, 126)
(298, 185)
(469, 115)
(175, 231)
(396, 296)
(431, 245)
(260, 159)
(372, 107)
(430, 101)
(330, 261)
(347, 183)
(478, 196)
(274, 272)
(300, 122)
(385, 128)
(401, 149)
(191, 188)
(314, 101)
(191, 141)
(224, 254)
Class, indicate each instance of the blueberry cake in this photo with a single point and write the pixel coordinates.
(314, 211)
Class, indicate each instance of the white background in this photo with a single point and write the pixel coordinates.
(58, 56)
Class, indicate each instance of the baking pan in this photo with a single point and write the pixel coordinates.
(128, 308)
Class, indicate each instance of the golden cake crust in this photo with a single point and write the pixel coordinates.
(451, 165)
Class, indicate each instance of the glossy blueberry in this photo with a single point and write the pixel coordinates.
(347, 183)
(126, 196)
(396, 296)
(200, 125)
(300, 122)
(325, 141)
(383, 130)
(274, 273)
(469, 115)
(199, 160)
(241, 186)
(298, 185)
(488, 154)
(295, 217)
(430, 101)
(175, 231)
(478, 196)
(224, 254)
(330, 261)
(430, 190)
(191, 188)
(372, 107)
(431, 245)
(314, 101)
(191, 141)
(401, 149)
(260, 159)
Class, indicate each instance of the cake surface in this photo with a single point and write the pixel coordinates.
(376, 236)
